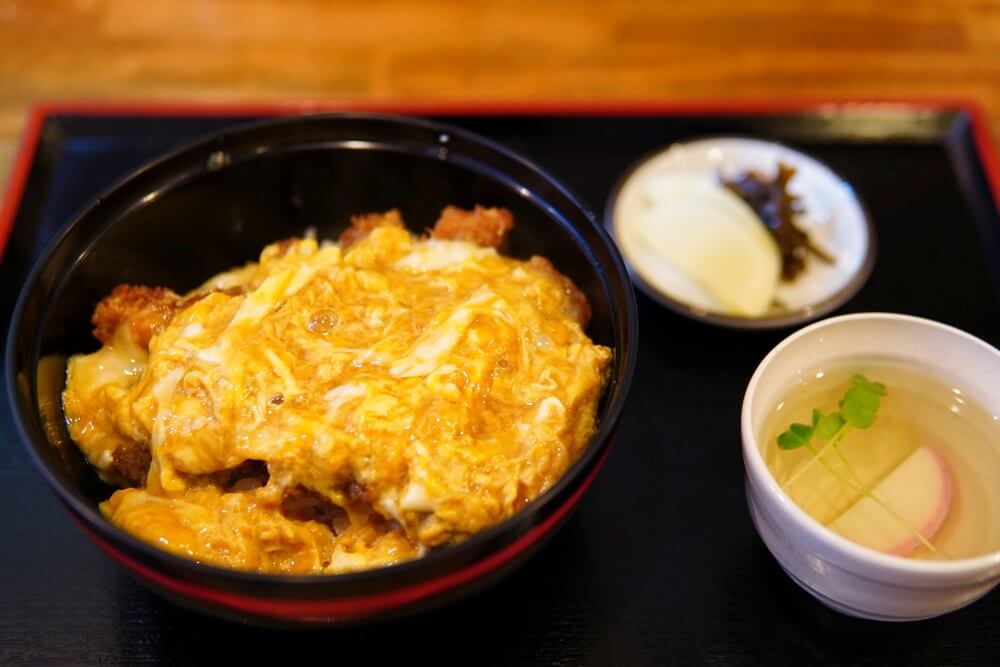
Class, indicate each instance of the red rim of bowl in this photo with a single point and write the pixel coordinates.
(106, 535)
(348, 608)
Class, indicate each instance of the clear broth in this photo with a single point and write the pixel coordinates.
(919, 409)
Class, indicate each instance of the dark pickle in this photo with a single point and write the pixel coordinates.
(777, 208)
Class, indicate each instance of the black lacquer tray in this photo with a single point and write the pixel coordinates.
(661, 564)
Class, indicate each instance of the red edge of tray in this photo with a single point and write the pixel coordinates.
(40, 112)
(359, 607)
(352, 608)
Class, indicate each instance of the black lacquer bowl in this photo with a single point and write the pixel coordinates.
(214, 205)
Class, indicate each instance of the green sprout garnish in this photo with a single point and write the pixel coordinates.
(858, 409)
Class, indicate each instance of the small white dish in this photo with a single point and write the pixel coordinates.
(834, 219)
(841, 574)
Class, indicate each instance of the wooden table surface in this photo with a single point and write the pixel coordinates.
(492, 50)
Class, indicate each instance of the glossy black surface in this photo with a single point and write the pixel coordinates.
(661, 564)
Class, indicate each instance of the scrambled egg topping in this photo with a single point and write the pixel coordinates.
(332, 409)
